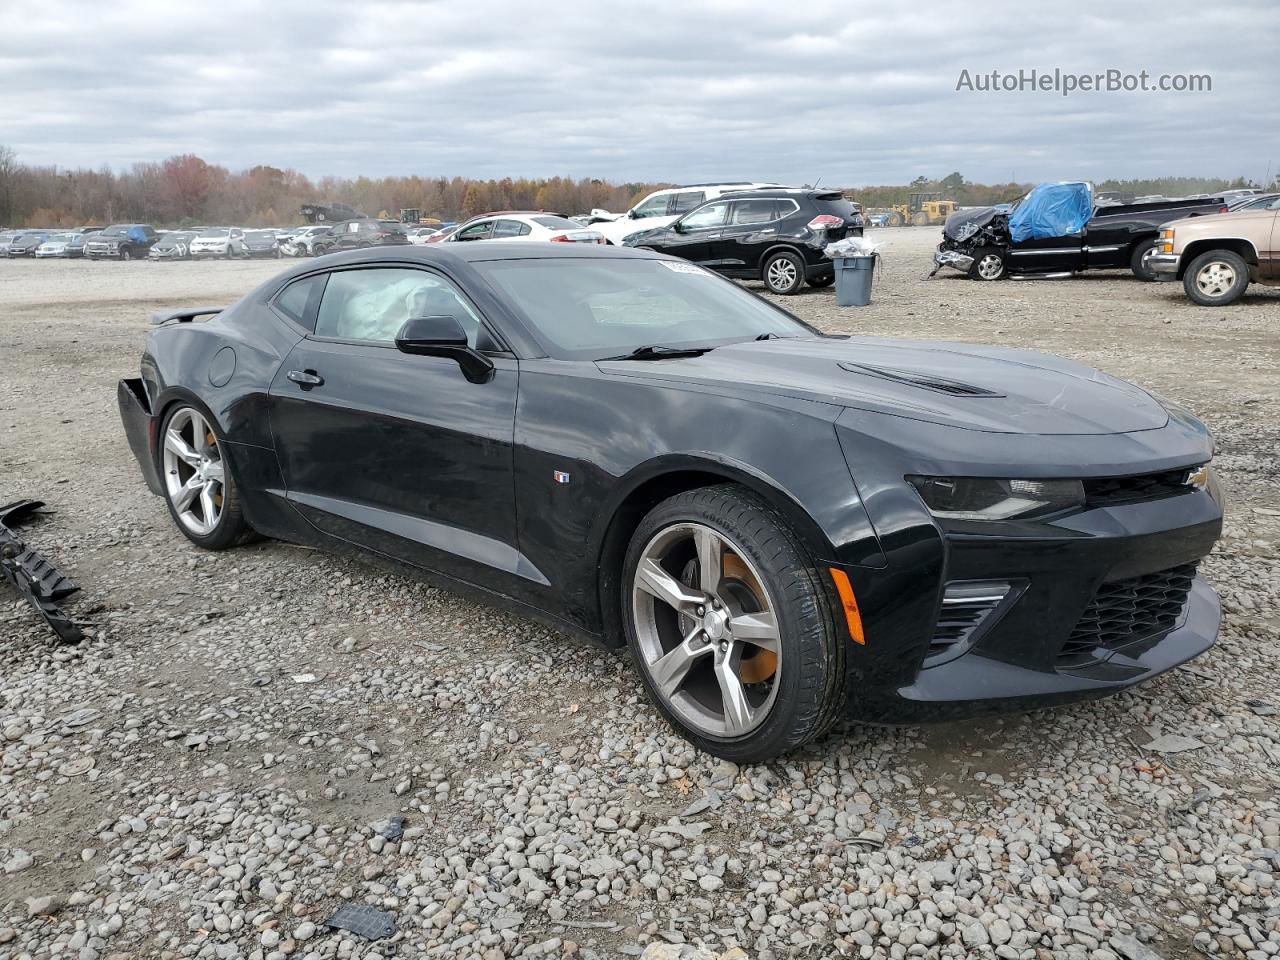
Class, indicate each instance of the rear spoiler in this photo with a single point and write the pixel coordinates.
(185, 315)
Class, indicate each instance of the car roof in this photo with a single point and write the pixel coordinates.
(445, 254)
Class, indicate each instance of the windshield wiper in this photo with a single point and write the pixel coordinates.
(659, 352)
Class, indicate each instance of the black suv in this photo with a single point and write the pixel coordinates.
(357, 234)
(775, 235)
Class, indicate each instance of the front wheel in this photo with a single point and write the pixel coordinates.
(1216, 278)
(988, 264)
(783, 273)
(126, 253)
(199, 488)
(1140, 260)
(730, 627)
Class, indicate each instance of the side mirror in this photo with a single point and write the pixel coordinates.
(678, 227)
(443, 336)
(633, 215)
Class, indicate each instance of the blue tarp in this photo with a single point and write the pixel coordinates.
(1052, 210)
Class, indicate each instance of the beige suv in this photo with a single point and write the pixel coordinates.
(1216, 257)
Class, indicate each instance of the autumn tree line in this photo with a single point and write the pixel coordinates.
(184, 190)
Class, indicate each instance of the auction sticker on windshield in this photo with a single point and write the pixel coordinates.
(684, 268)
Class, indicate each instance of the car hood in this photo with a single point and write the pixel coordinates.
(991, 389)
(963, 224)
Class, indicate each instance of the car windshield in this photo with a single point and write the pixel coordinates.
(115, 231)
(215, 234)
(589, 308)
(58, 238)
(260, 235)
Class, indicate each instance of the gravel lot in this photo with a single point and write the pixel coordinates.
(173, 788)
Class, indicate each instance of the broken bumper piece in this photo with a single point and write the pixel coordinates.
(952, 258)
(33, 576)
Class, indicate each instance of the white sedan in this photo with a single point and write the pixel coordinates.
(56, 245)
(546, 227)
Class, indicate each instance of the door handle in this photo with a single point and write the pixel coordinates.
(308, 378)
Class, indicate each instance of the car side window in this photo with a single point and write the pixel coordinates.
(654, 206)
(687, 200)
(712, 215)
(477, 231)
(753, 211)
(374, 304)
(509, 228)
(293, 301)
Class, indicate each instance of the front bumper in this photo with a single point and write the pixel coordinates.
(1096, 602)
(1164, 265)
(952, 258)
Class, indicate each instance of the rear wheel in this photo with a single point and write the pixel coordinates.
(920, 219)
(730, 627)
(1139, 261)
(199, 488)
(783, 273)
(1216, 278)
(988, 264)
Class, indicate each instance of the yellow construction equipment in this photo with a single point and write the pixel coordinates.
(921, 210)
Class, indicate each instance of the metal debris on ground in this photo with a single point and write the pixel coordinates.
(33, 576)
(1174, 743)
(368, 922)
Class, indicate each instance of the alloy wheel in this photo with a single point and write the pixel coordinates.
(706, 630)
(782, 273)
(193, 471)
(990, 267)
(1215, 278)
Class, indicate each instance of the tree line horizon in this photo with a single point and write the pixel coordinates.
(185, 190)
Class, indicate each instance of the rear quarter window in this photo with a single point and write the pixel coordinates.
(297, 301)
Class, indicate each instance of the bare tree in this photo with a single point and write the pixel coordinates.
(8, 175)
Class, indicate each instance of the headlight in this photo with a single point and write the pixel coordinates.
(966, 231)
(984, 498)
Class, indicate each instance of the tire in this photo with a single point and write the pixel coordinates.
(126, 253)
(179, 470)
(825, 281)
(920, 219)
(230, 254)
(895, 220)
(1138, 260)
(1216, 278)
(988, 264)
(783, 273)
(787, 696)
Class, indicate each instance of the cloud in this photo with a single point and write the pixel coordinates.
(854, 93)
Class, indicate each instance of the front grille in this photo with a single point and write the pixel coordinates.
(1106, 491)
(966, 606)
(1128, 611)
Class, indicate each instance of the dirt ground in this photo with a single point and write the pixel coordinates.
(486, 720)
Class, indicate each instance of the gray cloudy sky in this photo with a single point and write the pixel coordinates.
(852, 92)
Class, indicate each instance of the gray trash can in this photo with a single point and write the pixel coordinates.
(853, 280)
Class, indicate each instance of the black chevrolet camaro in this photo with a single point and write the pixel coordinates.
(782, 526)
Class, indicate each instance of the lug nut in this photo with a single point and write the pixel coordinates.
(702, 611)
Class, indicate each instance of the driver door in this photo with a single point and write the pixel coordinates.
(396, 453)
(694, 236)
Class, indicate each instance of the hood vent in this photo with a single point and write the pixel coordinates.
(953, 388)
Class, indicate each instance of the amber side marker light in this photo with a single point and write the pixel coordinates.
(850, 603)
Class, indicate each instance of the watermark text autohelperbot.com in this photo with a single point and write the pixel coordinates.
(1066, 83)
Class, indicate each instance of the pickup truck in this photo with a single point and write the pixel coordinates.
(1217, 258)
(121, 241)
(1057, 228)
